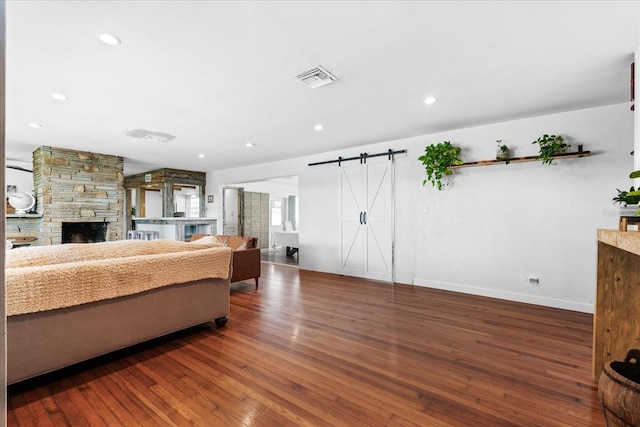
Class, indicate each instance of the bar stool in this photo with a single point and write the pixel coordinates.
(147, 235)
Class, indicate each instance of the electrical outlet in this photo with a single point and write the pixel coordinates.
(530, 280)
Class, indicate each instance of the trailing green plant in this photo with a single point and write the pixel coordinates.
(550, 145)
(502, 152)
(631, 197)
(437, 160)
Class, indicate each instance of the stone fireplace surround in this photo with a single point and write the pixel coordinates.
(78, 187)
(84, 232)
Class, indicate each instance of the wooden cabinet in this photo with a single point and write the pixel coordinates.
(616, 321)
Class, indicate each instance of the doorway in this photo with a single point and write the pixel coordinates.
(231, 210)
(282, 214)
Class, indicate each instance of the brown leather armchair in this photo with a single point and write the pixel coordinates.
(245, 261)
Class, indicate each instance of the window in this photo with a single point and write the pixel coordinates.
(276, 212)
(193, 203)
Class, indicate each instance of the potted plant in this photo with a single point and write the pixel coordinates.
(550, 145)
(628, 201)
(437, 160)
(502, 152)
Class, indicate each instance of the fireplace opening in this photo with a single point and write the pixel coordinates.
(84, 232)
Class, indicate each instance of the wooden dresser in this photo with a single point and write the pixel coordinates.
(616, 320)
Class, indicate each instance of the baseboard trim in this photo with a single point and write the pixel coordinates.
(511, 296)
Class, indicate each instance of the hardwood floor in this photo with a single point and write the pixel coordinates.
(279, 256)
(312, 349)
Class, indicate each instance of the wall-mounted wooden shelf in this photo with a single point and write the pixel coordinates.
(522, 159)
(23, 215)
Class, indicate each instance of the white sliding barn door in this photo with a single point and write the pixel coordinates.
(378, 222)
(366, 221)
(352, 205)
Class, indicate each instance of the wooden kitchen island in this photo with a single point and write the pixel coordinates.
(616, 320)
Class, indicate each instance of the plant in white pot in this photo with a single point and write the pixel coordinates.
(502, 152)
(550, 145)
(628, 201)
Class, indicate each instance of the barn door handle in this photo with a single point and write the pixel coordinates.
(365, 218)
(361, 218)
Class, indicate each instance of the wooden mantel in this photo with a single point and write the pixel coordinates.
(616, 320)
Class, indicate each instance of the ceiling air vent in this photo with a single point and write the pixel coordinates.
(316, 77)
(147, 134)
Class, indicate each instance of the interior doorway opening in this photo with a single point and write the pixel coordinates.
(276, 203)
(231, 211)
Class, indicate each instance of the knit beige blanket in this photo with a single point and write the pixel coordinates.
(51, 277)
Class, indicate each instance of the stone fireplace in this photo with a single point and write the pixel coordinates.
(82, 190)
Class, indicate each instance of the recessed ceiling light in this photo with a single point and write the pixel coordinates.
(109, 39)
(318, 127)
(59, 96)
(202, 156)
(249, 144)
(429, 100)
(35, 125)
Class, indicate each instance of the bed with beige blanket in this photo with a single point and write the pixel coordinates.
(69, 303)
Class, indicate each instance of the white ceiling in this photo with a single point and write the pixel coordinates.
(220, 74)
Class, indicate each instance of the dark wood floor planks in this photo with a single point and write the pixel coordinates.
(313, 349)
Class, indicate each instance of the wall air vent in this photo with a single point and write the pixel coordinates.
(316, 77)
(147, 134)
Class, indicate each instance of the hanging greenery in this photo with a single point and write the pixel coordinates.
(437, 160)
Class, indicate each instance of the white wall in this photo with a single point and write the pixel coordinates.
(496, 224)
(153, 204)
(22, 179)
(275, 189)
(493, 224)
